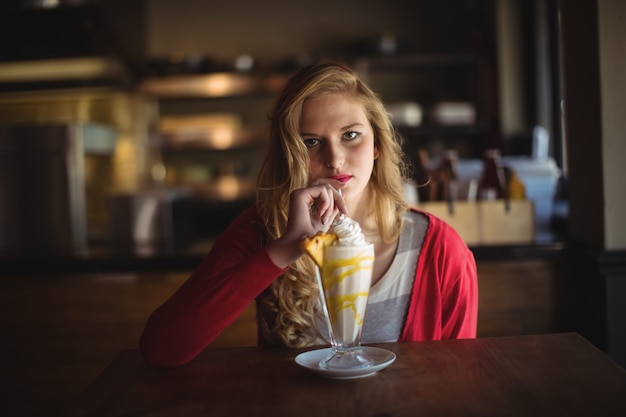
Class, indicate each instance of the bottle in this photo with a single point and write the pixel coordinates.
(492, 183)
(515, 187)
(450, 175)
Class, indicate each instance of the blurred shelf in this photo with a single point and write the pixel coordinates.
(413, 61)
(443, 131)
(226, 189)
(214, 85)
(212, 140)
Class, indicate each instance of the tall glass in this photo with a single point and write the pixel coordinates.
(345, 280)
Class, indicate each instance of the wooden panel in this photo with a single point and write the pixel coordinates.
(525, 297)
(463, 218)
(488, 222)
(60, 332)
(502, 225)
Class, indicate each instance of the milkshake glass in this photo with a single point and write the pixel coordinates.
(345, 280)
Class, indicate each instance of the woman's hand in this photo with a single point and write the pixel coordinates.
(311, 209)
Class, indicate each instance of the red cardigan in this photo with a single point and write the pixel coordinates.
(444, 302)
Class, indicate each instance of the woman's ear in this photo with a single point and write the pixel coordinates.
(376, 153)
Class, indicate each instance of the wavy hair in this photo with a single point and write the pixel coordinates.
(287, 311)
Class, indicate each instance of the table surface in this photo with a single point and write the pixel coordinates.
(538, 375)
(103, 259)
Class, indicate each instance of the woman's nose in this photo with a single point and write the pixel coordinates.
(334, 158)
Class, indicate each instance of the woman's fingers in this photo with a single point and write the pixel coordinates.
(325, 203)
(314, 208)
(333, 187)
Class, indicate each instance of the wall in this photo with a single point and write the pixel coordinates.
(593, 49)
(582, 120)
(595, 104)
(612, 40)
(276, 30)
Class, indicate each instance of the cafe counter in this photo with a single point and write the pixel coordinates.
(104, 259)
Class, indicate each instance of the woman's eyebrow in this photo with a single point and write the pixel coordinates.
(350, 126)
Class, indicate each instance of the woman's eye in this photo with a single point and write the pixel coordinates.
(351, 135)
(310, 142)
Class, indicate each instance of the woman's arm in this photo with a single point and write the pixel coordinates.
(233, 274)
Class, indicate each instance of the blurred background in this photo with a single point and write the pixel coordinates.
(131, 134)
(168, 104)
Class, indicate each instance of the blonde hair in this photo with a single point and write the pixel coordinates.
(287, 310)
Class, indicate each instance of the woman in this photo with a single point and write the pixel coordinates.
(328, 132)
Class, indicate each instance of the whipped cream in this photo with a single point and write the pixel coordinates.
(348, 232)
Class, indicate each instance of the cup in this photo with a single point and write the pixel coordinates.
(345, 279)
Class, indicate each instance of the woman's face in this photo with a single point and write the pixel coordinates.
(340, 142)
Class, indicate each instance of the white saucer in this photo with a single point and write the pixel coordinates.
(311, 361)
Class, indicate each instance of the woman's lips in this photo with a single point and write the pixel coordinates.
(344, 178)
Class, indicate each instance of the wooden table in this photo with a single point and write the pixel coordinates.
(543, 375)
